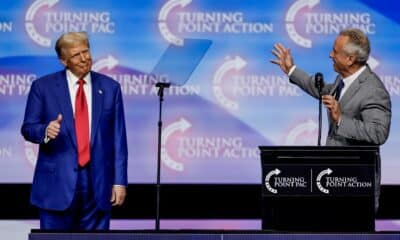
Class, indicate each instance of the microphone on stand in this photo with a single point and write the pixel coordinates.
(161, 86)
(319, 84)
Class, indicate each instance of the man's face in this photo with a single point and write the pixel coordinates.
(342, 61)
(77, 59)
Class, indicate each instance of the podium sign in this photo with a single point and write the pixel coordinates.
(318, 188)
(318, 180)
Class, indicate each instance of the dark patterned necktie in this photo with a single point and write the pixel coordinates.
(339, 90)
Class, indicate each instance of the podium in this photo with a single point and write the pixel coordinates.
(318, 189)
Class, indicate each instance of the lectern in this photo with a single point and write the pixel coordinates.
(318, 189)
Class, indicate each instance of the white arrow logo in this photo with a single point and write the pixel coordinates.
(274, 172)
(290, 16)
(162, 18)
(307, 127)
(30, 27)
(182, 125)
(327, 171)
(237, 63)
(110, 62)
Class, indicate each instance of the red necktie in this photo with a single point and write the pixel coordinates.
(82, 125)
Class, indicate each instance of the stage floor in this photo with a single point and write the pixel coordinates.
(210, 235)
(20, 229)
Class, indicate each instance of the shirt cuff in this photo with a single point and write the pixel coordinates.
(338, 122)
(291, 70)
(46, 138)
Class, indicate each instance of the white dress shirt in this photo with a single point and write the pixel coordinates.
(73, 89)
(73, 86)
(350, 79)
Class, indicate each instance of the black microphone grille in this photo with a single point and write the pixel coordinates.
(319, 76)
(319, 81)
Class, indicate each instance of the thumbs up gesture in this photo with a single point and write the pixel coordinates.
(53, 129)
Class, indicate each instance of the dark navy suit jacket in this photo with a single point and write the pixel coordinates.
(55, 174)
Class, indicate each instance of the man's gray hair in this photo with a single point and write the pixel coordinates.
(358, 44)
(68, 40)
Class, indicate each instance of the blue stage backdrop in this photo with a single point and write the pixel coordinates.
(233, 101)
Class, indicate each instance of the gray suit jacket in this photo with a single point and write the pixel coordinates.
(366, 113)
(365, 106)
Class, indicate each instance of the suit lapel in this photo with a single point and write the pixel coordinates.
(97, 104)
(64, 101)
(355, 86)
(350, 92)
(335, 85)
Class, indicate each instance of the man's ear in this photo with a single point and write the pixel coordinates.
(351, 60)
(63, 61)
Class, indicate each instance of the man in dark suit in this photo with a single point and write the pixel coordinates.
(77, 118)
(359, 105)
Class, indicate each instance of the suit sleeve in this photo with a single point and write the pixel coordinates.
(33, 128)
(374, 123)
(307, 83)
(120, 142)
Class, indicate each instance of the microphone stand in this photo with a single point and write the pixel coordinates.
(319, 83)
(319, 114)
(161, 86)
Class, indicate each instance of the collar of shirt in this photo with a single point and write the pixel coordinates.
(72, 79)
(350, 79)
(73, 88)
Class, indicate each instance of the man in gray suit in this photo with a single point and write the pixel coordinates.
(358, 103)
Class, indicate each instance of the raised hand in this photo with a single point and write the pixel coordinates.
(284, 58)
